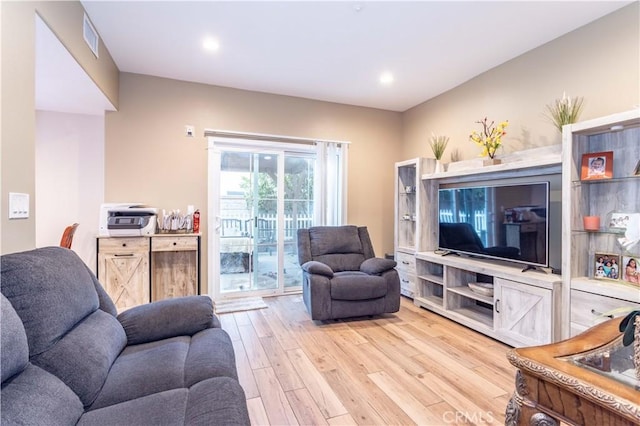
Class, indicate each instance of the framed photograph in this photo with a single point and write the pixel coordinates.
(619, 221)
(630, 270)
(636, 171)
(606, 266)
(597, 165)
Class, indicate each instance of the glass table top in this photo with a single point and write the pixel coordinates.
(613, 360)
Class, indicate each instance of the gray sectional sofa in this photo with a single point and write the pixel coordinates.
(68, 358)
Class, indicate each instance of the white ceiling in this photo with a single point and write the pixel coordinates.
(333, 50)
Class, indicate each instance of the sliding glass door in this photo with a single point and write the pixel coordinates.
(263, 198)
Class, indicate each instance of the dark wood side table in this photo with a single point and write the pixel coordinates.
(585, 380)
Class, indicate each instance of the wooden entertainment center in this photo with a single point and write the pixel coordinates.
(537, 306)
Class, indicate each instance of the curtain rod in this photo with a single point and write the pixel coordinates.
(266, 137)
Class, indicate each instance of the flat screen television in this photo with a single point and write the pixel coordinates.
(499, 221)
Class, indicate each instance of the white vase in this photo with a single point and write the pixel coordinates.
(439, 167)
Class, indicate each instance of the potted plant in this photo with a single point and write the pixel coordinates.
(565, 111)
(630, 325)
(438, 145)
(490, 138)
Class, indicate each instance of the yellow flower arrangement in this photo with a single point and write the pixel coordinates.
(490, 138)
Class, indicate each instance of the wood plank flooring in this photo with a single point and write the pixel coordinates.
(412, 367)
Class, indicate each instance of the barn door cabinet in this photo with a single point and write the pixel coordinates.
(138, 270)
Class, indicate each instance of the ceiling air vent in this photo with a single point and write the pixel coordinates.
(90, 35)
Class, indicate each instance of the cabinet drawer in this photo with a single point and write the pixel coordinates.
(174, 243)
(587, 309)
(123, 245)
(407, 284)
(406, 262)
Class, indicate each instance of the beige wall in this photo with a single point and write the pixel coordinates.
(68, 194)
(599, 61)
(18, 99)
(149, 160)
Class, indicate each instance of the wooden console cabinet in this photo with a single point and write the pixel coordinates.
(522, 311)
(138, 270)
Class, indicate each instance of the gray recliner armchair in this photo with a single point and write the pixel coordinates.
(342, 278)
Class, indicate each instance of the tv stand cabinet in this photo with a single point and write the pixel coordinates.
(524, 309)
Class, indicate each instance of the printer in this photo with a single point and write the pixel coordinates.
(127, 220)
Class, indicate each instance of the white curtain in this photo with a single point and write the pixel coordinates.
(331, 183)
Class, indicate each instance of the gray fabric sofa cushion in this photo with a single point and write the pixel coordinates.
(216, 401)
(13, 342)
(153, 367)
(357, 286)
(36, 397)
(338, 239)
(376, 266)
(164, 408)
(315, 267)
(338, 247)
(144, 369)
(83, 357)
(342, 262)
(183, 316)
(44, 304)
(210, 355)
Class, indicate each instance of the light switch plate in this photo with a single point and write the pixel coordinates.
(18, 205)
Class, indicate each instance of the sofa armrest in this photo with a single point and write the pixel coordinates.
(315, 267)
(181, 316)
(377, 265)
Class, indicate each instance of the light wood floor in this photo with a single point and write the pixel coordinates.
(412, 367)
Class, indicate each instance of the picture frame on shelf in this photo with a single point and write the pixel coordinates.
(597, 165)
(630, 270)
(618, 221)
(606, 266)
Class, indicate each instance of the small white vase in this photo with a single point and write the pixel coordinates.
(439, 167)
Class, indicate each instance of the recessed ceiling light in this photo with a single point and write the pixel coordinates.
(386, 78)
(210, 44)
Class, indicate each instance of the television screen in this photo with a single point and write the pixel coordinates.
(508, 221)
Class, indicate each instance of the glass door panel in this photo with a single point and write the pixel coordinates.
(298, 212)
(265, 197)
(248, 208)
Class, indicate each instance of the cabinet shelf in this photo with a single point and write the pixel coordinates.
(436, 279)
(477, 313)
(430, 300)
(623, 179)
(467, 292)
(599, 231)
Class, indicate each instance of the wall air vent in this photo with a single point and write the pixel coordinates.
(90, 35)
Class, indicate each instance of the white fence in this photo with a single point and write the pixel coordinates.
(268, 223)
(478, 219)
(291, 224)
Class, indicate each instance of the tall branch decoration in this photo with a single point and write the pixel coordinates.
(490, 138)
